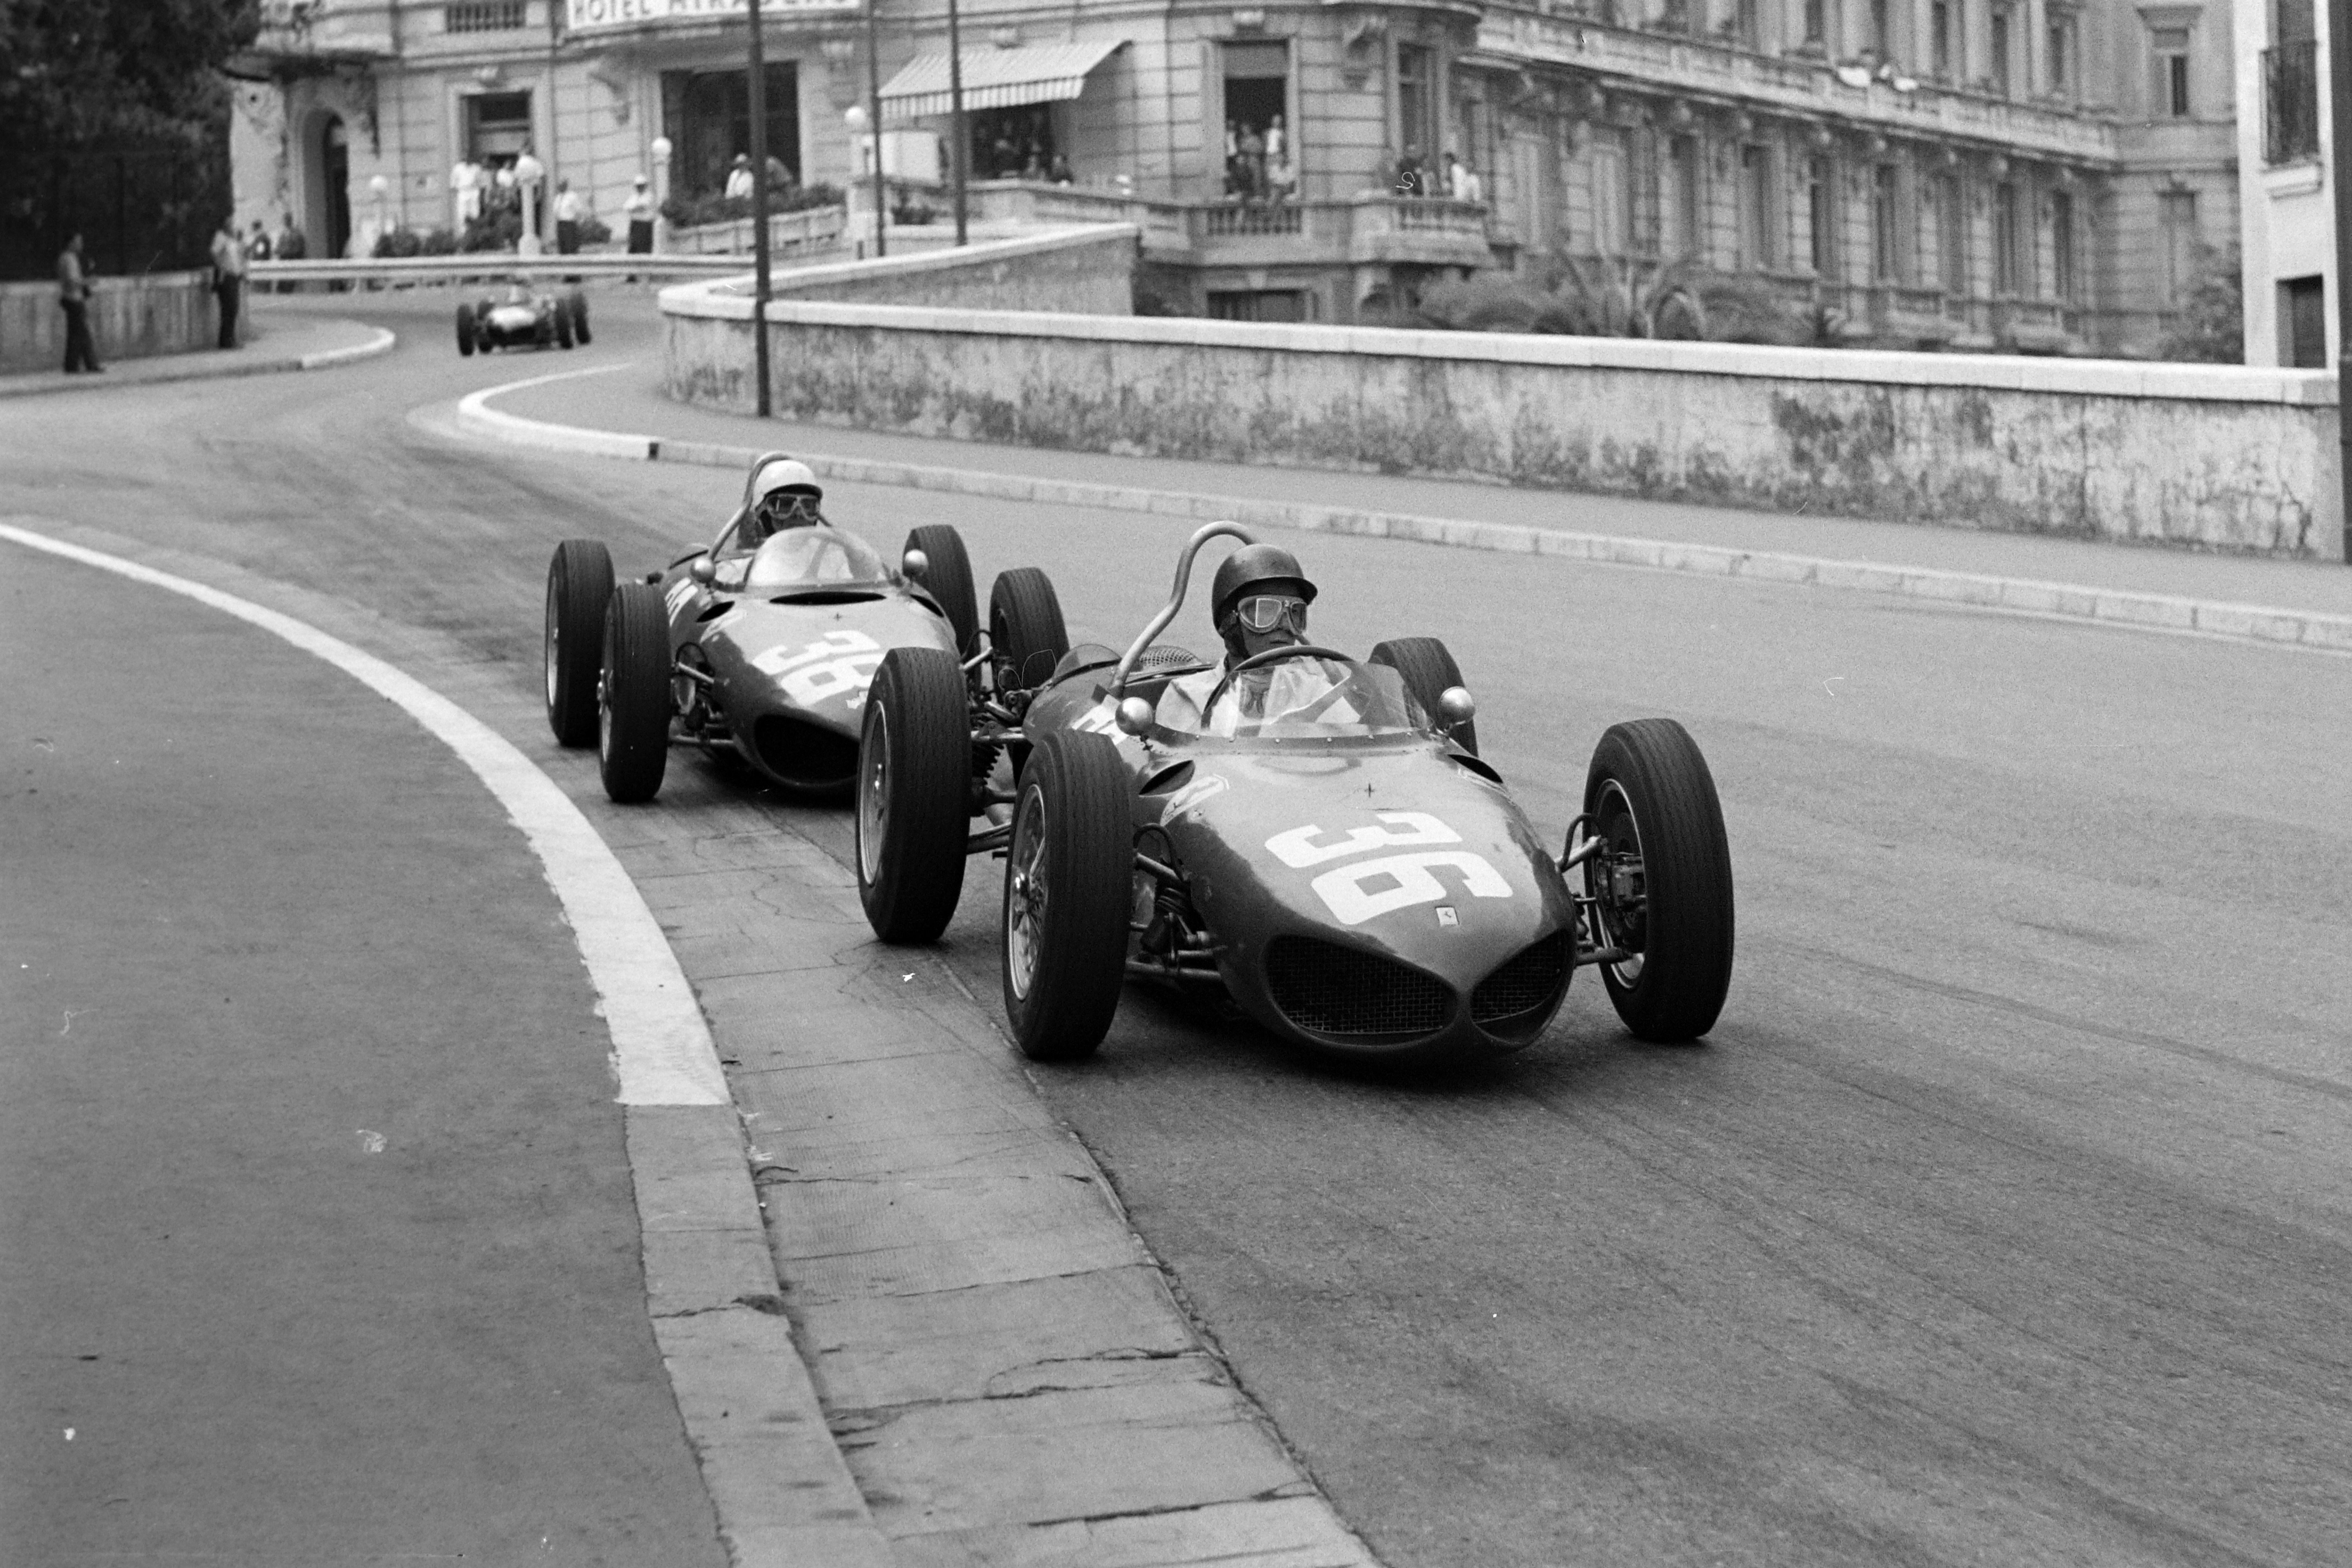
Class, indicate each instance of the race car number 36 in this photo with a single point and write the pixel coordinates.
(835, 663)
(1352, 892)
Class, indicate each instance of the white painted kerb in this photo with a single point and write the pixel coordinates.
(662, 1052)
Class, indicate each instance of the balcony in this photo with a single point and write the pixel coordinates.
(1371, 228)
(1720, 69)
(300, 36)
(2291, 103)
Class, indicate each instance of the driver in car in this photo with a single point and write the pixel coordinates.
(784, 496)
(1257, 602)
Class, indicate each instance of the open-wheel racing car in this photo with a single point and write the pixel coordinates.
(523, 318)
(1338, 860)
(759, 646)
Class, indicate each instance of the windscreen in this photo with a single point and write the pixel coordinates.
(814, 557)
(1314, 696)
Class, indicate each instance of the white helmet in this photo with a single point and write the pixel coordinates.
(785, 474)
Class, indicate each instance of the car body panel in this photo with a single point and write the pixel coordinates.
(790, 667)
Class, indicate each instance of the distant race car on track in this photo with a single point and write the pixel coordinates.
(524, 319)
(1313, 836)
(759, 646)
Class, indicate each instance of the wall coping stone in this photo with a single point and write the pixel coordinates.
(729, 296)
(1999, 373)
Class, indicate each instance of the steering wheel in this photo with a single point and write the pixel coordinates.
(1271, 655)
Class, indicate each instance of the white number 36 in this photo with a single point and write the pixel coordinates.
(1352, 893)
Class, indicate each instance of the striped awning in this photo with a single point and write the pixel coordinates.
(994, 79)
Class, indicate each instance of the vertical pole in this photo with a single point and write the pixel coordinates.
(2332, 104)
(873, 109)
(962, 149)
(759, 107)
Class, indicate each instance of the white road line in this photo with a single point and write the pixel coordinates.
(474, 408)
(662, 1052)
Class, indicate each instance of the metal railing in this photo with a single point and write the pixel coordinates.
(2291, 102)
(496, 264)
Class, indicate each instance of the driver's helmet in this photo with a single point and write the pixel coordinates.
(785, 495)
(1248, 583)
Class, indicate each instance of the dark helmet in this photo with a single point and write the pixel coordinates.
(1257, 566)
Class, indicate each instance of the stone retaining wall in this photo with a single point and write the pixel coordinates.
(2207, 457)
(130, 317)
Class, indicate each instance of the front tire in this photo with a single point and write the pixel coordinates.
(1068, 884)
(466, 330)
(633, 699)
(914, 795)
(1664, 885)
(1428, 668)
(563, 325)
(578, 584)
(1025, 630)
(948, 579)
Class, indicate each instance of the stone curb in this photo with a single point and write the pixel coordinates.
(32, 385)
(2309, 629)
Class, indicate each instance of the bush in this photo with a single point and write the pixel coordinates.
(595, 231)
(441, 242)
(2213, 325)
(692, 211)
(500, 229)
(399, 243)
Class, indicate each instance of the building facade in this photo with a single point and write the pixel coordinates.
(2286, 193)
(2036, 175)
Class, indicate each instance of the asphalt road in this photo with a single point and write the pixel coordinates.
(2003, 1219)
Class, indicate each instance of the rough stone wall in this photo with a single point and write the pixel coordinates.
(130, 317)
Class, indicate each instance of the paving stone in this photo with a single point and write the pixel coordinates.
(829, 1218)
(700, 1271)
(690, 1167)
(1277, 1532)
(1059, 1455)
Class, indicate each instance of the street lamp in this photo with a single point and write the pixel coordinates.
(528, 171)
(874, 96)
(661, 150)
(857, 118)
(380, 187)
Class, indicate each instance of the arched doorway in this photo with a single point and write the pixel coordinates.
(334, 216)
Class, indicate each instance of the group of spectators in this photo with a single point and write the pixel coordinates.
(231, 253)
(1453, 178)
(1257, 163)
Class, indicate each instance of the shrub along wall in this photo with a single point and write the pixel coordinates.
(2211, 456)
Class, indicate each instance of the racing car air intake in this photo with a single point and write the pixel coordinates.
(1327, 989)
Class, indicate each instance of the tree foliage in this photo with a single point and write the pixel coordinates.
(2213, 325)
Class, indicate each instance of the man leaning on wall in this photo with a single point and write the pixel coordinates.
(228, 277)
(73, 297)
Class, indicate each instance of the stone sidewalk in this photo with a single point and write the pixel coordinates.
(273, 343)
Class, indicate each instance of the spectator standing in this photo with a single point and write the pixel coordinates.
(1281, 180)
(228, 279)
(73, 297)
(1253, 165)
(291, 245)
(257, 244)
(738, 178)
(568, 211)
(1410, 180)
(1466, 184)
(640, 210)
(1277, 141)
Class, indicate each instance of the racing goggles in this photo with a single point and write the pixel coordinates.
(1261, 613)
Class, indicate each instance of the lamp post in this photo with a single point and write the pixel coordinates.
(381, 187)
(955, 110)
(855, 117)
(758, 106)
(2337, 105)
(874, 97)
(661, 150)
(528, 171)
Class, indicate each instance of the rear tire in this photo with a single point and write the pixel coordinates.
(1649, 793)
(466, 330)
(579, 303)
(578, 583)
(563, 325)
(1025, 630)
(948, 579)
(632, 704)
(1068, 885)
(1428, 668)
(913, 815)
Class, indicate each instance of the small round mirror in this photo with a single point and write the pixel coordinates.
(1456, 707)
(702, 571)
(914, 563)
(1134, 716)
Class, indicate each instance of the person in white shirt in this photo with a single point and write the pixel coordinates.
(640, 209)
(568, 210)
(738, 178)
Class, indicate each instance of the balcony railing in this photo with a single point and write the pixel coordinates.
(1372, 227)
(2291, 102)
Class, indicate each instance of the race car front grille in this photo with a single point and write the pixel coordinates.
(1325, 989)
(803, 755)
(1524, 987)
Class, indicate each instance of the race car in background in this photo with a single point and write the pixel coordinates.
(760, 650)
(1346, 870)
(524, 319)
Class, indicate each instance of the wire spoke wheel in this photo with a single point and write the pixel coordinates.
(1618, 884)
(1026, 894)
(873, 793)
